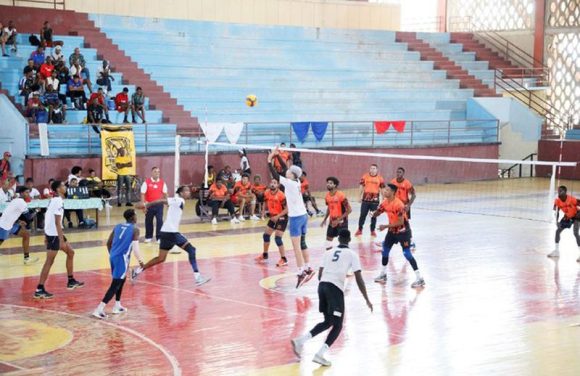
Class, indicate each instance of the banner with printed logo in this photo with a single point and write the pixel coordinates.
(118, 152)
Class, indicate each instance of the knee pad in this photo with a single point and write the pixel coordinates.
(386, 250)
(407, 253)
(267, 238)
(303, 245)
(190, 249)
(278, 240)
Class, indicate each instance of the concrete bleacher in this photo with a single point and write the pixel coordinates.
(298, 74)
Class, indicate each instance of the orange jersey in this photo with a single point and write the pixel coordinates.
(218, 193)
(304, 185)
(241, 188)
(403, 189)
(372, 186)
(337, 204)
(276, 201)
(393, 209)
(259, 188)
(568, 207)
(285, 157)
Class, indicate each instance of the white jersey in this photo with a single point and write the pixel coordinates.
(244, 164)
(171, 223)
(34, 193)
(336, 264)
(55, 207)
(12, 212)
(294, 199)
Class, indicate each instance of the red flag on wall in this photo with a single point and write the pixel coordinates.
(383, 126)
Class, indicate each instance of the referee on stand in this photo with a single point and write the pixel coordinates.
(153, 189)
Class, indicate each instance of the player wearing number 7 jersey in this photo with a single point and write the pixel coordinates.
(123, 239)
(332, 276)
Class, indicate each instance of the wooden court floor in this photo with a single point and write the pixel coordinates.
(493, 303)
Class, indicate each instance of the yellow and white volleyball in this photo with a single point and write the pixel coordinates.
(251, 100)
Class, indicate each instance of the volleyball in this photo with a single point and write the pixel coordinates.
(251, 100)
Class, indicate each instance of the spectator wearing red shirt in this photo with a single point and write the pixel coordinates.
(47, 68)
(122, 103)
(34, 106)
(97, 107)
(5, 166)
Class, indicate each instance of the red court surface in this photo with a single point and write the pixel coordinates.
(493, 304)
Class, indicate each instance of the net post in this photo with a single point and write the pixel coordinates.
(177, 161)
(552, 192)
(205, 175)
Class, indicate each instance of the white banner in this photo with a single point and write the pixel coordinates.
(43, 138)
(233, 131)
(212, 131)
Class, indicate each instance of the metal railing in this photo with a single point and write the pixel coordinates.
(508, 171)
(55, 3)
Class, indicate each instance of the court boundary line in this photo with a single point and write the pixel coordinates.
(172, 359)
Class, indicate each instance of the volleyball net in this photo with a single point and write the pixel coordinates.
(470, 185)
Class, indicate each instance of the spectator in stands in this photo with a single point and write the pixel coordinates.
(39, 84)
(34, 193)
(34, 106)
(47, 68)
(96, 186)
(244, 163)
(77, 70)
(55, 83)
(47, 192)
(38, 57)
(138, 105)
(76, 55)
(57, 55)
(73, 192)
(6, 192)
(104, 76)
(97, 107)
(122, 103)
(56, 110)
(226, 176)
(258, 189)
(211, 175)
(124, 163)
(219, 197)
(5, 169)
(9, 33)
(30, 64)
(26, 83)
(3, 39)
(75, 173)
(46, 35)
(76, 92)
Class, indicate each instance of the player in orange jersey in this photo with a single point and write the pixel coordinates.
(244, 196)
(405, 193)
(569, 205)
(258, 189)
(371, 184)
(276, 201)
(337, 210)
(307, 196)
(398, 232)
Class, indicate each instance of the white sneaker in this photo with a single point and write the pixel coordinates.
(158, 241)
(297, 346)
(214, 221)
(119, 309)
(241, 219)
(234, 221)
(255, 218)
(99, 314)
(30, 260)
(554, 254)
(200, 280)
(419, 282)
(382, 278)
(148, 240)
(320, 360)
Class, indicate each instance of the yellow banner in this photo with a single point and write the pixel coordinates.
(118, 149)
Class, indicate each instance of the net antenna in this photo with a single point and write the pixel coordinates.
(555, 165)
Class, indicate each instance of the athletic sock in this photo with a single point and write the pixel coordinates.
(26, 255)
(284, 258)
(196, 274)
(117, 303)
(322, 350)
(101, 307)
(418, 274)
(71, 278)
(265, 255)
(384, 270)
(305, 337)
(557, 246)
(40, 287)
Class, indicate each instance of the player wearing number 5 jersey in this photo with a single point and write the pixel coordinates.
(332, 276)
(123, 240)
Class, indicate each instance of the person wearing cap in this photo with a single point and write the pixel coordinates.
(5, 170)
(57, 55)
(122, 103)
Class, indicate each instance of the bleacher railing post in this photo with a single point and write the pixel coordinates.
(146, 138)
(372, 135)
(448, 131)
(290, 133)
(89, 138)
(412, 125)
(332, 129)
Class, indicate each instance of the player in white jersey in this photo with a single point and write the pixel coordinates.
(297, 215)
(12, 222)
(55, 241)
(332, 276)
(170, 236)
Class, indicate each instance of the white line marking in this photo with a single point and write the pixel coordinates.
(172, 360)
(13, 365)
